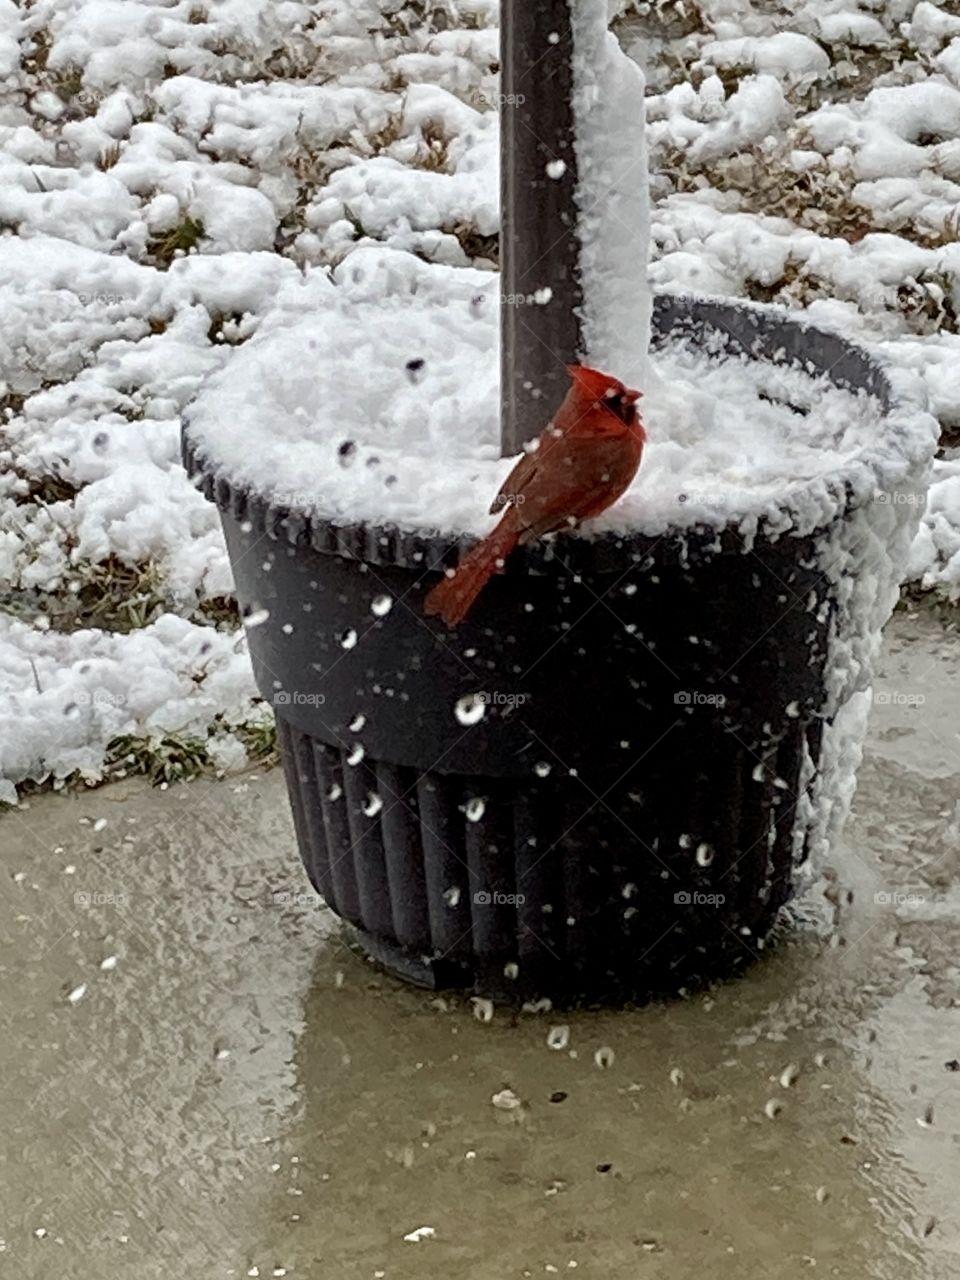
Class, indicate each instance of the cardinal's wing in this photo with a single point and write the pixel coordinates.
(579, 480)
(516, 482)
(565, 517)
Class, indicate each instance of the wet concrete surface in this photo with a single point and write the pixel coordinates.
(199, 1078)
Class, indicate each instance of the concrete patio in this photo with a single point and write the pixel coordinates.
(201, 1079)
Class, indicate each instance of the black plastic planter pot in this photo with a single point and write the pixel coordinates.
(600, 786)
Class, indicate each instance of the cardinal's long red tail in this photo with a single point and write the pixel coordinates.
(453, 598)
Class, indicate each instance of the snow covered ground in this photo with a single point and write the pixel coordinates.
(172, 170)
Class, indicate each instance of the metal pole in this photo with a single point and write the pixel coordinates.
(540, 249)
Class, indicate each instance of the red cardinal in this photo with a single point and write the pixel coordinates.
(581, 464)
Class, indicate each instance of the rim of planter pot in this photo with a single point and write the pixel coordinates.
(769, 333)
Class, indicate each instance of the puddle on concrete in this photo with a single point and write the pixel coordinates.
(237, 1093)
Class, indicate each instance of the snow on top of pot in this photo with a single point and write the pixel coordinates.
(374, 397)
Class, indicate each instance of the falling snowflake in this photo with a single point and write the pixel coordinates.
(506, 1100)
(420, 1233)
(471, 708)
(475, 808)
(789, 1075)
(482, 1009)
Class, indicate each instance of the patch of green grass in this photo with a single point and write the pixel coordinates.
(178, 757)
(168, 758)
(69, 81)
(43, 490)
(111, 595)
(185, 236)
(173, 757)
(223, 328)
(260, 740)
(816, 198)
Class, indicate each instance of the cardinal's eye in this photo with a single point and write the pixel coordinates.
(619, 407)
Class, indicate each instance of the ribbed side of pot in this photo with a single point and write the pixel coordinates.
(522, 890)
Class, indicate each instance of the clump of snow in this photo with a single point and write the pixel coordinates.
(935, 554)
(65, 698)
(851, 27)
(930, 27)
(788, 55)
